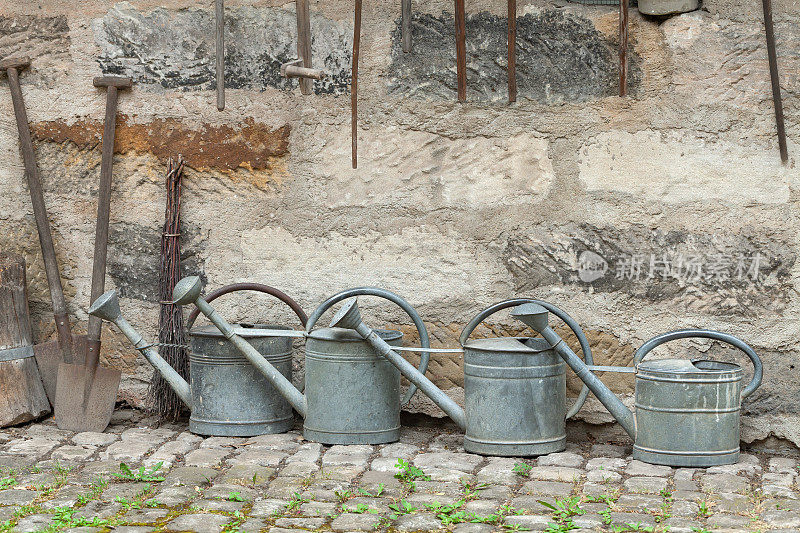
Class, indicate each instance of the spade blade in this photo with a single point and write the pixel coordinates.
(49, 356)
(72, 411)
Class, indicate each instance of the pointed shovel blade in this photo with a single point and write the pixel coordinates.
(49, 356)
(71, 411)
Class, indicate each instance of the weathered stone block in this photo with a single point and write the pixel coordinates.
(257, 41)
(560, 57)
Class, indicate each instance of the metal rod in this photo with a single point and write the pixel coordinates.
(606, 397)
(354, 84)
(453, 410)
(40, 215)
(220, 52)
(427, 350)
(601, 368)
(777, 100)
(406, 25)
(461, 50)
(304, 42)
(178, 384)
(623, 47)
(512, 51)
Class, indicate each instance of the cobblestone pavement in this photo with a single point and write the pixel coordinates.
(56, 480)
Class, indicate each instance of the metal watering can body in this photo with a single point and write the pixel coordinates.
(687, 412)
(352, 395)
(227, 396)
(514, 398)
(515, 390)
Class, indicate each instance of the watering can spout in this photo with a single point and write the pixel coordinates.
(188, 291)
(107, 308)
(536, 316)
(349, 317)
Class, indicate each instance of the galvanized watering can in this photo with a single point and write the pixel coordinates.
(352, 395)
(227, 396)
(514, 388)
(687, 412)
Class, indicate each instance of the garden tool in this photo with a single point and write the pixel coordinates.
(405, 25)
(461, 50)
(51, 353)
(354, 85)
(86, 394)
(301, 67)
(226, 394)
(777, 100)
(514, 388)
(687, 412)
(623, 47)
(219, 7)
(512, 51)
(352, 395)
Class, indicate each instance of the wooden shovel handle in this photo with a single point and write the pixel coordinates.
(40, 215)
(101, 229)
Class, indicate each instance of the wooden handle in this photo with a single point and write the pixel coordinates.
(40, 215)
(512, 50)
(461, 50)
(406, 25)
(304, 42)
(623, 47)
(220, 52)
(354, 85)
(101, 228)
(777, 100)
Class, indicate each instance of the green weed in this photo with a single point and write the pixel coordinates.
(143, 474)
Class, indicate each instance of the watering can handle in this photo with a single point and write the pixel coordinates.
(424, 339)
(568, 320)
(233, 287)
(706, 334)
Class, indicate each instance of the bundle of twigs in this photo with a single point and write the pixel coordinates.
(172, 337)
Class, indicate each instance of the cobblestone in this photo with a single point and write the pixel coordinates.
(279, 483)
(648, 485)
(90, 438)
(638, 468)
(724, 483)
(567, 459)
(355, 522)
(208, 457)
(556, 473)
(199, 523)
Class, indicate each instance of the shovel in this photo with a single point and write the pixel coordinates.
(51, 353)
(86, 394)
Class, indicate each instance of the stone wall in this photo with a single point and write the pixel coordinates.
(663, 210)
